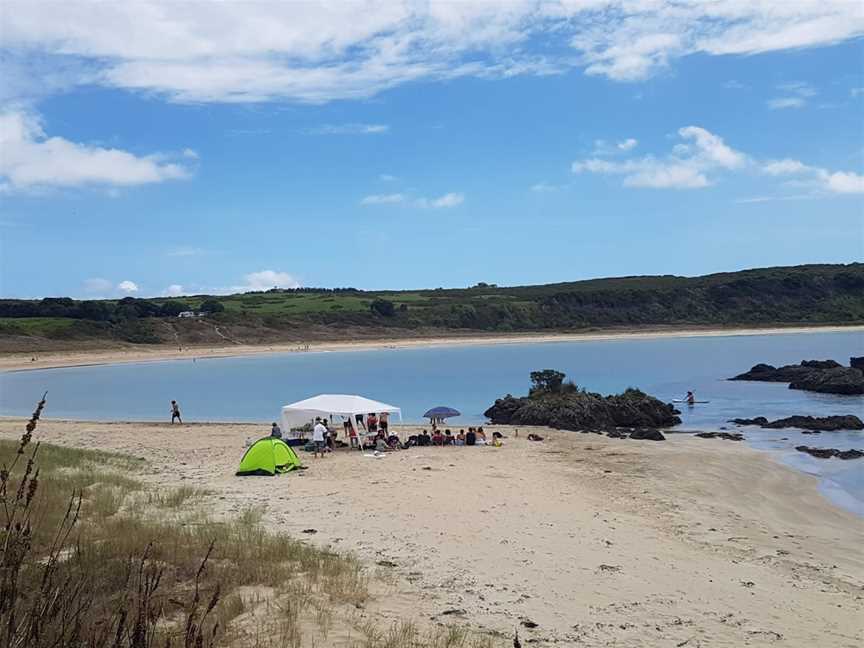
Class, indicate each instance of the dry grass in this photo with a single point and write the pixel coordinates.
(129, 567)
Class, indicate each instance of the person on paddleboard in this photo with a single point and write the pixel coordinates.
(691, 398)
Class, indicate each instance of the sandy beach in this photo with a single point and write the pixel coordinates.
(144, 353)
(598, 541)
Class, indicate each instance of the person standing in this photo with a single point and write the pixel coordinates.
(319, 434)
(175, 412)
(276, 431)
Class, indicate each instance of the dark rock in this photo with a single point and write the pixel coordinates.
(827, 453)
(616, 434)
(585, 411)
(386, 563)
(454, 611)
(838, 380)
(310, 531)
(824, 376)
(821, 423)
(857, 363)
(649, 434)
(729, 436)
(528, 623)
(759, 420)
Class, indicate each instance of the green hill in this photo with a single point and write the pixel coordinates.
(809, 294)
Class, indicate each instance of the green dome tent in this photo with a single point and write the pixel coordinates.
(268, 456)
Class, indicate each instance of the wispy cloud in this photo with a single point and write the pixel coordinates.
(383, 199)
(605, 148)
(350, 129)
(386, 177)
(685, 168)
(319, 52)
(452, 199)
(544, 187)
(267, 279)
(128, 287)
(702, 156)
(796, 95)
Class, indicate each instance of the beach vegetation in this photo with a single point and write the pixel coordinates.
(798, 295)
(91, 555)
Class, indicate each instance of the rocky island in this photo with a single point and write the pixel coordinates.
(562, 405)
(817, 423)
(824, 376)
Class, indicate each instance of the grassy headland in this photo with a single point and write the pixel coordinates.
(797, 295)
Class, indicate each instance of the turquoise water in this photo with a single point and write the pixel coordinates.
(470, 378)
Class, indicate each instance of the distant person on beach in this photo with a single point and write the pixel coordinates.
(175, 412)
(471, 437)
(372, 422)
(276, 431)
(360, 423)
(319, 434)
(384, 421)
(460, 438)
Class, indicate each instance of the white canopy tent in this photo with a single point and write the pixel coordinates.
(345, 405)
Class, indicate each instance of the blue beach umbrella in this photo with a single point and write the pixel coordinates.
(442, 413)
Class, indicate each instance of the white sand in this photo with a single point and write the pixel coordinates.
(144, 353)
(601, 542)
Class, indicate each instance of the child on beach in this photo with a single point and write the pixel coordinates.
(175, 412)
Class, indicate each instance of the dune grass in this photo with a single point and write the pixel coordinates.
(87, 550)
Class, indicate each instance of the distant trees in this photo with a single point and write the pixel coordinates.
(211, 306)
(383, 307)
(547, 380)
(173, 307)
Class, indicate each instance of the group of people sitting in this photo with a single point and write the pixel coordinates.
(473, 437)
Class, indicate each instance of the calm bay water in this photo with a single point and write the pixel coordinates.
(470, 378)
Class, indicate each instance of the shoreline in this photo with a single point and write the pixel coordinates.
(690, 537)
(54, 360)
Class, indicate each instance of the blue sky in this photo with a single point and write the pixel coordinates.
(150, 149)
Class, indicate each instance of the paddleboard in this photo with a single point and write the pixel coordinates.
(685, 401)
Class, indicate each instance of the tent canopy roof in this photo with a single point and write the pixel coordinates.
(325, 404)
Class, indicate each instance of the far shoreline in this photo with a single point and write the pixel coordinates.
(13, 362)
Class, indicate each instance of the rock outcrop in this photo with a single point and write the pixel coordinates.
(820, 423)
(573, 409)
(825, 376)
(838, 380)
(857, 363)
(728, 436)
(827, 453)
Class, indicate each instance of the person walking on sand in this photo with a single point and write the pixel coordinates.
(319, 433)
(175, 412)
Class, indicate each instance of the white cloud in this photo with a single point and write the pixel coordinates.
(785, 102)
(317, 52)
(383, 199)
(797, 94)
(447, 200)
(386, 177)
(267, 279)
(350, 129)
(544, 187)
(702, 154)
(820, 179)
(174, 290)
(98, 286)
(627, 144)
(127, 287)
(32, 160)
(784, 167)
(699, 152)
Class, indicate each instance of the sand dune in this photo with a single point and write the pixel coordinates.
(598, 541)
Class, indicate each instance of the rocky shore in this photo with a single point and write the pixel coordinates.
(815, 423)
(564, 406)
(828, 453)
(823, 376)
